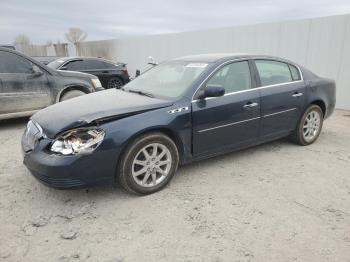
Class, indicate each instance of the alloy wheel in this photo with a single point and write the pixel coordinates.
(311, 126)
(115, 83)
(151, 165)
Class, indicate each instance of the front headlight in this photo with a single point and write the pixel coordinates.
(78, 141)
(96, 82)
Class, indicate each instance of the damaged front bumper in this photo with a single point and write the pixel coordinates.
(67, 172)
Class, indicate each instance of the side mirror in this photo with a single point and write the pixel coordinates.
(151, 61)
(212, 91)
(63, 68)
(138, 73)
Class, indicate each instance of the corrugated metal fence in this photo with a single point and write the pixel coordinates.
(320, 44)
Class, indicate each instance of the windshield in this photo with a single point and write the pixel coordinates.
(168, 80)
(56, 64)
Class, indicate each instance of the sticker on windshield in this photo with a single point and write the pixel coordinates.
(200, 65)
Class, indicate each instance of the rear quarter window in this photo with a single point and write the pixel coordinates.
(110, 65)
(75, 65)
(295, 73)
(95, 64)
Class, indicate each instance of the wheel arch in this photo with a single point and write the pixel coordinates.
(164, 130)
(84, 89)
(321, 104)
(118, 77)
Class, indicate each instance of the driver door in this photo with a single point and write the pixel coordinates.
(229, 121)
(21, 88)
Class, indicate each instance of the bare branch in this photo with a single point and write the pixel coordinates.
(75, 35)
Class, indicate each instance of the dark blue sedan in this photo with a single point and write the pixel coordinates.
(183, 110)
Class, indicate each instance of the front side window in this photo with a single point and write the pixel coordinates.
(273, 72)
(56, 64)
(14, 64)
(168, 80)
(75, 65)
(233, 77)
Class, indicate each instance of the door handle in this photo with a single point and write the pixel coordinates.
(105, 72)
(251, 105)
(297, 94)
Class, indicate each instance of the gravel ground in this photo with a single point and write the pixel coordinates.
(274, 202)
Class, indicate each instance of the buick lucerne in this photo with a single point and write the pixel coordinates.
(182, 110)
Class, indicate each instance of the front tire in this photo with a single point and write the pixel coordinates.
(148, 164)
(309, 126)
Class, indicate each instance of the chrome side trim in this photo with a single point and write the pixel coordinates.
(17, 114)
(19, 94)
(248, 90)
(280, 112)
(256, 88)
(231, 124)
(39, 128)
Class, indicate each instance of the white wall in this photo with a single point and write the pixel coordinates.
(320, 44)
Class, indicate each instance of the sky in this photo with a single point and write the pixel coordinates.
(45, 20)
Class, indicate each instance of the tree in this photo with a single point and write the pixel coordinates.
(22, 40)
(75, 35)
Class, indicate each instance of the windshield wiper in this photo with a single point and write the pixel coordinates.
(141, 93)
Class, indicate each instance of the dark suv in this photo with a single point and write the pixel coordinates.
(111, 75)
(27, 85)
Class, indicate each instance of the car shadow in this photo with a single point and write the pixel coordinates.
(100, 192)
(13, 123)
(219, 160)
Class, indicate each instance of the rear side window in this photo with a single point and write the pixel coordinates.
(295, 73)
(14, 64)
(75, 65)
(273, 72)
(233, 77)
(110, 65)
(95, 64)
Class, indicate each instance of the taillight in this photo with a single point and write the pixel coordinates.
(125, 70)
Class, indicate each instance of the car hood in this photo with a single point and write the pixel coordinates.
(100, 106)
(74, 74)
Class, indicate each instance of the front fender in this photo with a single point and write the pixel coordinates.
(122, 132)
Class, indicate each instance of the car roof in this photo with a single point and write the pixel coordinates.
(66, 58)
(215, 57)
(29, 58)
(2, 48)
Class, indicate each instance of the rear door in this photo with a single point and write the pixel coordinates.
(98, 68)
(231, 120)
(282, 97)
(21, 89)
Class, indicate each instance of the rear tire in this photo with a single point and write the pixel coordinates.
(115, 82)
(309, 126)
(148, 164)
(71, 94)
